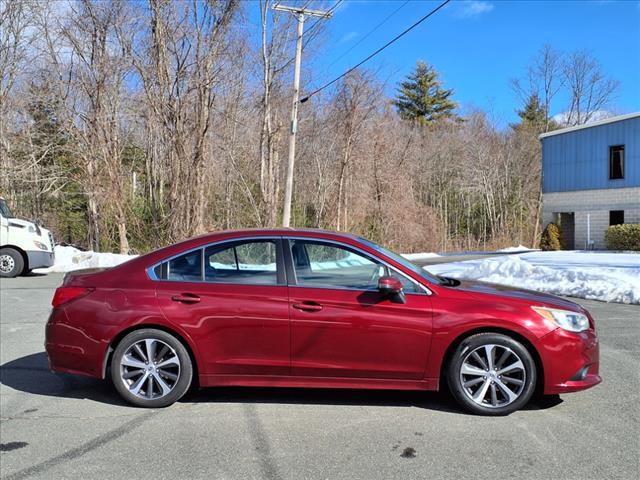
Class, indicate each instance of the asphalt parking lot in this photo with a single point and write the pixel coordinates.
(58, 426)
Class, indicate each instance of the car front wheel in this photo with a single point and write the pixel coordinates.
(151, 368)
(491, 374)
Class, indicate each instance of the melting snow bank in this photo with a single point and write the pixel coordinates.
(609, 277)
(519, 249)
(70, 258)
(412, 257)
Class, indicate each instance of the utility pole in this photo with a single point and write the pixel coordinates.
(300, 12)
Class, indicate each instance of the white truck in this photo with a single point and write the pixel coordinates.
(24, 245)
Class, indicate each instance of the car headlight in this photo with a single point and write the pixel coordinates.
(572, 321)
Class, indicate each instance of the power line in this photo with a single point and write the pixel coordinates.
(311, 37)
(313, 25)
(371, 31)
(275, 4)
(397, 37)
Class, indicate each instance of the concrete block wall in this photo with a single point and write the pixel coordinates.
(595, 206)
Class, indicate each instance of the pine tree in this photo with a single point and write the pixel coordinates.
(422, 99)
(533, 117)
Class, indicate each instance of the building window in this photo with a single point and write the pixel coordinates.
(616, 162)
(616, 217)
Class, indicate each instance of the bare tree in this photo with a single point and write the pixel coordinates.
(15, 18)
(544, 78)
(590, 90)
(178, 62)
(15, 38)
(95, 32)
(275, 36)
(354, 103)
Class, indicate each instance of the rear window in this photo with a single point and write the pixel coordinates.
(186, 268)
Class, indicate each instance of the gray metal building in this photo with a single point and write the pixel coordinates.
(591, 178)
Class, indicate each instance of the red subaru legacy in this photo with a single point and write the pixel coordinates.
(309, 308)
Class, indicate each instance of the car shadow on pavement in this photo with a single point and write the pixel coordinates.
(31, 374)
(323, 396)
(436, 401)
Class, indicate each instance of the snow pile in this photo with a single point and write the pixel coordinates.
(610, 277)
(70, 258)
(412, 257)
(519, 248)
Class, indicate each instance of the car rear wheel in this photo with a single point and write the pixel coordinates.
(151, 368)
(11, 263)
(491, 374)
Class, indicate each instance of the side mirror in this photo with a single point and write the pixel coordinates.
(389, 285)
(392, 288)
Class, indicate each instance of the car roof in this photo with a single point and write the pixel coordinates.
(221, 235)
(283, 231)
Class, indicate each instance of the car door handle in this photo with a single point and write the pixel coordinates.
(308, 306)
(186, 298)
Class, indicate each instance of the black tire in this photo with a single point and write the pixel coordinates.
(11, 263)
(26, 272)
(498, 344)
(184, 375)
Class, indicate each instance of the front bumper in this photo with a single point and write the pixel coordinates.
(40, 259)
(571, 361)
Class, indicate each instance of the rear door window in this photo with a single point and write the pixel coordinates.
(250, 263)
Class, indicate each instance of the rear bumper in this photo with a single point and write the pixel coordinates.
(40, 259)
(72, 350)
(571, 361)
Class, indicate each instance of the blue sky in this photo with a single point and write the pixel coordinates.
(478, 46)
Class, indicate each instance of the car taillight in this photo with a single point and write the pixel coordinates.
(66, 294)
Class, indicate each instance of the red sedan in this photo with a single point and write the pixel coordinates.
(309, 308)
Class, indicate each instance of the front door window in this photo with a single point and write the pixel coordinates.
(324, 265)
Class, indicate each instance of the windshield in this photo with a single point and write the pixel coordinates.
(403, 261)
(4, 209)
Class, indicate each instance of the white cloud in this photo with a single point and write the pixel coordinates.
(473, 8)
(347, 37)
(564, 118)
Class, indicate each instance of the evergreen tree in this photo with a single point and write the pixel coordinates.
(533, 117)
(422, 99)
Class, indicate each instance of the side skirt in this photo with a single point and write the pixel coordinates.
(316, 382)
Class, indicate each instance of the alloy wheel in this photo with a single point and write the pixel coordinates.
(150, 369)
(492, 376)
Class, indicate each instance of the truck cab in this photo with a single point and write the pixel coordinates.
(24, 245)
